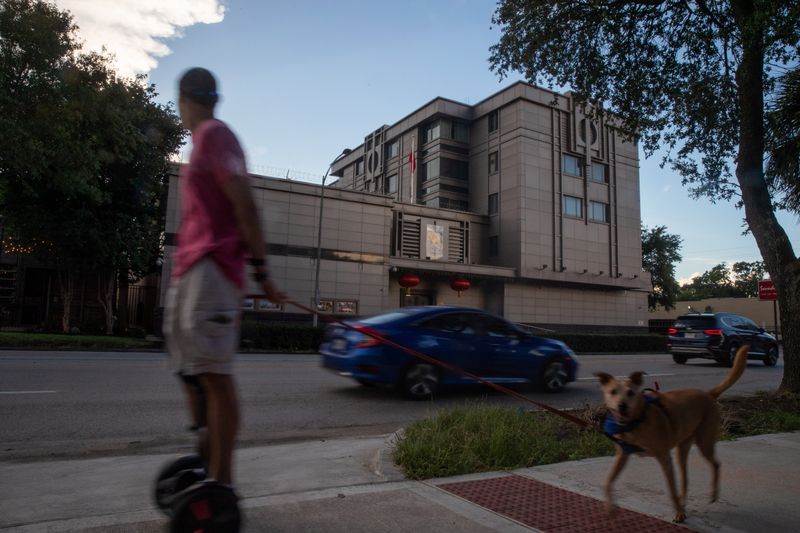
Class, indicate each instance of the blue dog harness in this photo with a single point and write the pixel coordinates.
(611, 427)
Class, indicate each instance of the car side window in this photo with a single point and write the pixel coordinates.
(493, 327)
(749, 324)
(450, 323)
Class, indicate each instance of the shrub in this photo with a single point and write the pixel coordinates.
(281, 337)
(606, 342)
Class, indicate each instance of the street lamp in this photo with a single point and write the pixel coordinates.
(344, 153)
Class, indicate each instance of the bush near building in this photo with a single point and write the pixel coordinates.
(282, 337)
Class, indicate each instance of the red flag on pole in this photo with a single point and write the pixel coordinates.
(412, 157)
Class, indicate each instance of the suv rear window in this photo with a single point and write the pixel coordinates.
(695, 322)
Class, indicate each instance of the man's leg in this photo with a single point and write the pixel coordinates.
(223, 423)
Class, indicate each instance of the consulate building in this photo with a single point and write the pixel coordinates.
(526, 205)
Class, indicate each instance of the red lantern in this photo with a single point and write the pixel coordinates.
(407, 281)
(459, 284)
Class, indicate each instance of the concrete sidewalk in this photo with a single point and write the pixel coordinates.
(351, 485)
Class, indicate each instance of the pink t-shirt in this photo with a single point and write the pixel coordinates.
(208, 222)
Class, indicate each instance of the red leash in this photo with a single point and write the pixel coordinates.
(447, 366)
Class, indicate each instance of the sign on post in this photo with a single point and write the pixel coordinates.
(766, 290)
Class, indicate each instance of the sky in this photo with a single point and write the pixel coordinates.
(301, 80)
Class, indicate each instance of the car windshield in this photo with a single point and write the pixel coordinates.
(695, 322)
(384, 318)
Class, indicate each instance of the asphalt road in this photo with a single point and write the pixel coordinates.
(83, 404)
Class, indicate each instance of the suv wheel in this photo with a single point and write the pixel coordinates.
(554, 376)
(727, 359)
(771, 359)
(680, 359)
(420, 381)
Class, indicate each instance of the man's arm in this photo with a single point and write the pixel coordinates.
(237, 190)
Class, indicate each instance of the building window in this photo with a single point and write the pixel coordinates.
(453, 168)
(359, 167)
(573, 207)
(392, 150)
(493, 203)
(598, 211)
(449, 203)
(493, 121)
(391, 184)
(572, 165)
(493, 162)
(460, 132)
(494, 249)
(431, 169)
(433, 131)
(599, 172)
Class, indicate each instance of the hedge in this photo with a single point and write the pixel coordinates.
(273, 336)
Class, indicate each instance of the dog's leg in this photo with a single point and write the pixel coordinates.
(620, 461)
(706, 447)
(665, 461)
(683, 456)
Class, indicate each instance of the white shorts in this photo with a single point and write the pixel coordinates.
(202, 321)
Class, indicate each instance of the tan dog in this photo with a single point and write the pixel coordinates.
(654, 423)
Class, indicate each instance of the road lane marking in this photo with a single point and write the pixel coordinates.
(28, 391)
(624, 377)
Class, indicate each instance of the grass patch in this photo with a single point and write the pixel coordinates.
(10, 339)
(762, 413)
(483, 438)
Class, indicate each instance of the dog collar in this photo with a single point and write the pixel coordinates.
(611, 427)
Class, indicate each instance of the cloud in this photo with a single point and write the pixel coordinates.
(135, 31)
(684, 281)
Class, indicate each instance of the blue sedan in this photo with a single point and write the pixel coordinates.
(478, 342)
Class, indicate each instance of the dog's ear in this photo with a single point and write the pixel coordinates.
(636, 378)
(603, 377)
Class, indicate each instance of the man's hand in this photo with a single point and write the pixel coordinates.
(272, 293)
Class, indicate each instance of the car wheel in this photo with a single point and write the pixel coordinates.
(727, 359)
(421, 381)
(680, 359)
(771, 359)
(554, 376)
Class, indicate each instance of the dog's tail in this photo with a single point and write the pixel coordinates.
(736, 372)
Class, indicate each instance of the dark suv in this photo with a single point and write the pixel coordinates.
(718, 336)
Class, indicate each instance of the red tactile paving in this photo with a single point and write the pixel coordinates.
(553, 510)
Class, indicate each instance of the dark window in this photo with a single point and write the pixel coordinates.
(572, 165)
(598, 211)
(453, 168)
(494, 249)
(599, 172)
(453, 188)
(391, 184)
(493, 203)
(460, 132)
(450, 203)
(449, 323)
(493, 121)
(493, 162)
(359, 167)
(695, 322)
(494, 327)
(573, 207)
(392, 150)
(433, 131)
(431, 169)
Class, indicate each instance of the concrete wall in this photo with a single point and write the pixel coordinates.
(760, 312)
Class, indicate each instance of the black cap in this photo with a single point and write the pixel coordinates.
(198, 84)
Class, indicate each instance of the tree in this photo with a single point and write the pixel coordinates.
(83, 154)
(714, 283)
(660, 252)
(747, 275)
(692, 76)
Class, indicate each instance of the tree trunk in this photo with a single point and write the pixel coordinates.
(122, 304)
(105, 295)
(775, 247)
(65, 285)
